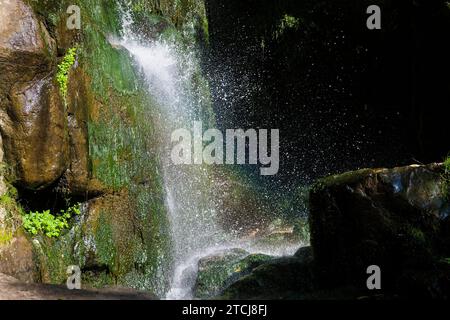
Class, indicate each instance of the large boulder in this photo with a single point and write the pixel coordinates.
(397, 219)
(219, 270)
(281, 278)
(16, 259)
(24, 41)
(289, 278)
(32, 117)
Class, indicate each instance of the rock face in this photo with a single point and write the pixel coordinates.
(107, 242)
(282, 278)
(218, 271)
(32, 118)
(16, 259)
(396, 219)
(96, 145)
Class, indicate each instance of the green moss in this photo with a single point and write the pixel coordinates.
(53, 256)
(417, 235)
(6, 200)
(5, 236)
(106, 248)
(62, 74)
(341, 179)
(97, 279)
(287, 22)
(122, 143)
(220, 272)
(14, 212)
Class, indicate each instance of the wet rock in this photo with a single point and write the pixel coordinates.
(80, 99)
(109, 243)
(32, 117)
(304, 254)
(289, 278)
(38, 143)
(218, 271)
(282, 278)
(25, 44)
(275, 238)
(16, 259)
(397, 219)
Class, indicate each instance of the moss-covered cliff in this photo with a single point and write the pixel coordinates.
(84, 102)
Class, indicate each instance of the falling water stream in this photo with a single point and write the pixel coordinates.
(193, 199)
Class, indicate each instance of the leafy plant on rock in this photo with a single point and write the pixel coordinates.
(62, 75)
(47, 223)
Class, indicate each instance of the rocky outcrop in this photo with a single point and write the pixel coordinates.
(281, 278)
(109, 243)
(32, 117)
(93, 145)
(218, 271)
(397, 219)
(16, 259)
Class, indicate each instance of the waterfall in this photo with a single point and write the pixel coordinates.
(194, 197)
(190, 200)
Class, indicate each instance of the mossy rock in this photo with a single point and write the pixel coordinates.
(280, 278)
(220, 270)
(109, 155)
(111, 245)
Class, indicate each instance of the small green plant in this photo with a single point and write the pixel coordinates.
(63, 70)
(47, 223)
(287, 22)
(447, 164)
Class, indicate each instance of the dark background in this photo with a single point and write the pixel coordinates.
(343, 97)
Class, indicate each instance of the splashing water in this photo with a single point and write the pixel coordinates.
(193, 199)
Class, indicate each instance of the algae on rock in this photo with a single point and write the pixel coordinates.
(122, 234)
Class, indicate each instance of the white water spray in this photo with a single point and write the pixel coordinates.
(193, 198)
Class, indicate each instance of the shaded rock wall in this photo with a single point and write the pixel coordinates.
(397, 219)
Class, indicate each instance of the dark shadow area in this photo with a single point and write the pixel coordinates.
(343, 96)
(53, 198)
